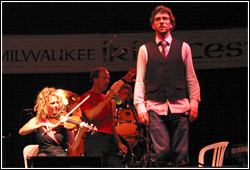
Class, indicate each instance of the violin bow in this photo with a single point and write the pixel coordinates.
(67, 115)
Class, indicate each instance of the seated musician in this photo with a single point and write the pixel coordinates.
(125, 93)
(127, 125)
(53, 141)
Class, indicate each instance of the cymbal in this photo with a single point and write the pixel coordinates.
(77, 111)
(70, 96)
(72, 100)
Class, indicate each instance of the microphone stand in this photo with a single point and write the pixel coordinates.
(135, 117)
(5, 140)
(139, 128)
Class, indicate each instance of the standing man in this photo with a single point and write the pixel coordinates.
(167, 92)
(98, 110)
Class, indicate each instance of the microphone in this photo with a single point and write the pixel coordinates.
(127, 103)
(28, 110)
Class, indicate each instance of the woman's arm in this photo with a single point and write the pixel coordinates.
(73, 146)
(30, 126)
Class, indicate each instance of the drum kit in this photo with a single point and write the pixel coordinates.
(133, 135)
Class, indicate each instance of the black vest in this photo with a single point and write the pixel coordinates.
(165, 78)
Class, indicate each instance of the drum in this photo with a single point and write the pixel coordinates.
(126, 159)
(125, 122)
(132, 139)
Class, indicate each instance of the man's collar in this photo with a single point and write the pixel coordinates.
(167, 39)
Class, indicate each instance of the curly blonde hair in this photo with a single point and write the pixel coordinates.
(42, 100)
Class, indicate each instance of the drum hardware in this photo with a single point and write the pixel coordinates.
(139, 128)
(145, 159)
(132, 135)
(127, 158)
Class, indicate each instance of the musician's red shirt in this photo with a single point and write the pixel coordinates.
(103, 121)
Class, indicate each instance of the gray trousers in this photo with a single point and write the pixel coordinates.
(170, 137)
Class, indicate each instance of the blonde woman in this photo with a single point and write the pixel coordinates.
(53, 142)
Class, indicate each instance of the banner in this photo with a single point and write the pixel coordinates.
(211, 49)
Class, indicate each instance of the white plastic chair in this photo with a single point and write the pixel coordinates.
(218, 155)
(29, 151)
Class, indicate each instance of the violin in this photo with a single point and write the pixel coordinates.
(72, 122)
(69, 122)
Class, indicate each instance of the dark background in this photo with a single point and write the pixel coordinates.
(83, 18)
(223, 111)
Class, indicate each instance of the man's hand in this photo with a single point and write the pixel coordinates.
(193, 114)
(111, 95)
(143, 118)
(123, 148)
(129, 76)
